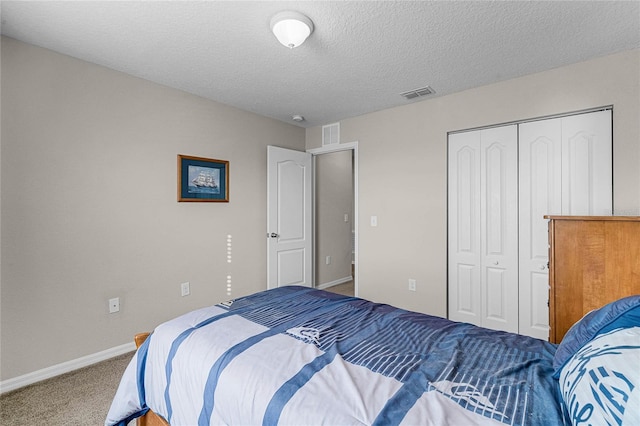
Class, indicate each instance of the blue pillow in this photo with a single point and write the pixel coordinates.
(623, 313)
(600, 384)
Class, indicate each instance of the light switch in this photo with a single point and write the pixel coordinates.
(114, 305)
(374, 220)
(412, 284)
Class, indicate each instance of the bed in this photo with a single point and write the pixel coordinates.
(300, 356)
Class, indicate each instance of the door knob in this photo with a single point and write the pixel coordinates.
(274, 235)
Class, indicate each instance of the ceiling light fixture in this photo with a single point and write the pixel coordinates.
(291, 28)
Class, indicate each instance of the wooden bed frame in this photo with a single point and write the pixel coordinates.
(151, 418)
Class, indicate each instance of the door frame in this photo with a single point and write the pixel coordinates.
(350, 146)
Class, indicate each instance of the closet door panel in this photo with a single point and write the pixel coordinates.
(465, 301)
(496, 305)
(464, 227)
(536, 317)
(499, 227)
(587, 164)
(540, 144)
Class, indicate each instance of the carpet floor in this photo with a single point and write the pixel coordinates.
(346, 289)
(78, 398)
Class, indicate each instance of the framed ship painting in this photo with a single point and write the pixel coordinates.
(202, 179)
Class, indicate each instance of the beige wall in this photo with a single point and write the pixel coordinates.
(89, 208)
(402, 166)
(334, 199)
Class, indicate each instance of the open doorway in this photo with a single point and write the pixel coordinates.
(335, 218)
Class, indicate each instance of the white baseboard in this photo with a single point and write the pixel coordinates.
(65, 367)
(335, 282)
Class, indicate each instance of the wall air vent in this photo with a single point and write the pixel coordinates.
(331, 134)
(416, 93)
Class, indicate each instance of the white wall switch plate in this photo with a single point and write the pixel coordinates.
(412, 284)
(114, 305)
(185, 289)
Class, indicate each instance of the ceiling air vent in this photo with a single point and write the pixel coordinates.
(416, 93)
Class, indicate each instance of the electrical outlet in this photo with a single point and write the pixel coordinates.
(412, 284)
(185, 289)
(114, 305)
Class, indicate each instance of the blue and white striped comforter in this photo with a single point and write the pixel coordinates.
(299, 356)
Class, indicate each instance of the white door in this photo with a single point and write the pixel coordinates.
(464, 228)
(587, 177)
(483, 218)
(289, 218)
(499, 227)
(565, 168)
(540, 194)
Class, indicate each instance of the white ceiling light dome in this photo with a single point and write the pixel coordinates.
(291, 28)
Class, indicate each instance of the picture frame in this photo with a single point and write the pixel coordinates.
(202, 179)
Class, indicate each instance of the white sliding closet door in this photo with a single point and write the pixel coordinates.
(464, 228)
(499, 227)
(565, 169)
(483, 228)
(587, 167)
(502, 182)
(540, 159)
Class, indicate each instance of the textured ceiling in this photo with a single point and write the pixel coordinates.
(361, 56)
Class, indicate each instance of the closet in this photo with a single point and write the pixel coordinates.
(502, 181)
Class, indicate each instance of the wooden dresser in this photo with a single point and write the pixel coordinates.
(593, 260)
